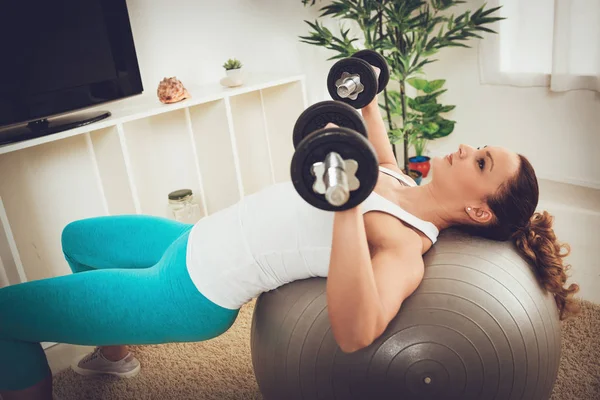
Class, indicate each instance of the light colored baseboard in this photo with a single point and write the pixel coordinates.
(60, 355)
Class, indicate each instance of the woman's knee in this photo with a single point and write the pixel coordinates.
(75, 239)
(71, 234)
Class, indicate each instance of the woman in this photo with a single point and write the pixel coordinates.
(142, 280)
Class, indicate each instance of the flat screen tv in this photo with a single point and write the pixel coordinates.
(62, 56)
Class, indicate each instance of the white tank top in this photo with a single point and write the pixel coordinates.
(271, 238)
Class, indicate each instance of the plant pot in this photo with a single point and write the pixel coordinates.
(416, 175)
(235, 77)
(234, 74)
(420, 163)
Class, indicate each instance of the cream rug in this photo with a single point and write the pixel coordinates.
(222, 368)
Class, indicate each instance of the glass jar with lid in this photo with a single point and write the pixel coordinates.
(182, 206)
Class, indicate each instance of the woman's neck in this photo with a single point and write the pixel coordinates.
(425, 203)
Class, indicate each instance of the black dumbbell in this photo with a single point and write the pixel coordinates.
(353, 80)
(333, 169)
(320, 114)
(377, 60)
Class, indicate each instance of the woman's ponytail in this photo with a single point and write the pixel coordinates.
(537, 242)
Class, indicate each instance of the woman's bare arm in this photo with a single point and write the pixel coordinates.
(378, 135)
(363, 295)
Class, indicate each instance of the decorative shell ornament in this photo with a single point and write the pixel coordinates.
(171, 90)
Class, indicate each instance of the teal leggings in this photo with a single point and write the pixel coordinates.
(130, 286)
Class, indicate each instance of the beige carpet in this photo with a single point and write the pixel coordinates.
(222, 369)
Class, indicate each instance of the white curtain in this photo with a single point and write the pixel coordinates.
(553, 43)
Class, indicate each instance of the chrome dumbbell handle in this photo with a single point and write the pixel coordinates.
(335, 178)
(337, 191)
(349, 86)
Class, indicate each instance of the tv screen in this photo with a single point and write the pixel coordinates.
(62, 55)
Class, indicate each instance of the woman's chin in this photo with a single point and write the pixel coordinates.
(437, 162)
(439, 167)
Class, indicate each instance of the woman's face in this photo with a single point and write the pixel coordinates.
(470, 175)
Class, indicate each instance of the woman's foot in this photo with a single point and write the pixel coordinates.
(96, 363)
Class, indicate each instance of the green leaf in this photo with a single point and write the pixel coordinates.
(456, 44)
(429, 53)
(419, 100)
(482, 28)
(395, 135)
(394, 102)
(446, 127)
(336, 8)
(488, 20)
(434, 85)
(477, 13)
(460, 18)
(427, 108)
(404, 63)
(472, 35)
(423, 118)
(419, 84)
(429, 98)
(490, 11)
(429, 127)
(412, 103)
(417, 68)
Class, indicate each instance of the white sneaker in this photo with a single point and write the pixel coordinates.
(95, 363)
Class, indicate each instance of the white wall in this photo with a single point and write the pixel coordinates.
(558, 132)
(191, 40)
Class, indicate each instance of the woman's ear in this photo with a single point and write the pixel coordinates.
(480, 214)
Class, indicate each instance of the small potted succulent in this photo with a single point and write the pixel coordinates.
(233, 69)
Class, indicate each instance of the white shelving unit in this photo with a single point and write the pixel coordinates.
(223, 143)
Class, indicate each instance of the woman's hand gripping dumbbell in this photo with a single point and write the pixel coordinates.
(334, 167)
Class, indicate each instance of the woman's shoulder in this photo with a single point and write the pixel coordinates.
(395, 168)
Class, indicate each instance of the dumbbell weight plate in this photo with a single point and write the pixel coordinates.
(320, 114)
(377, 60)
(349, 145)
(353, 66)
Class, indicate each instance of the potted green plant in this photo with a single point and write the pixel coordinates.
(424, 122)
(233, 70)
(408, 33)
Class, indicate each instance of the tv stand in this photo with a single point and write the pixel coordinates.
(45, 126)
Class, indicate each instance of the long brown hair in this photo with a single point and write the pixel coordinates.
(513, 206)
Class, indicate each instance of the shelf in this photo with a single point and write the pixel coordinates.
(147, 105)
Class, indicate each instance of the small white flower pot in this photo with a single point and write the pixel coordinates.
(234, 78)
(234, 74)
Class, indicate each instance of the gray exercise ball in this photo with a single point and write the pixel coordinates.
(478, 327)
